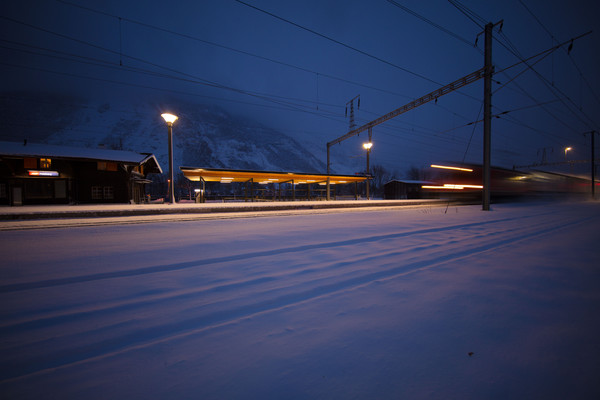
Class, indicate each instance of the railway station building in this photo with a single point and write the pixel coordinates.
(50, 174)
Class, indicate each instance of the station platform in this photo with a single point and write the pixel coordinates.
(37, 212)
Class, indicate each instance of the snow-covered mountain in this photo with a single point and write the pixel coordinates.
(203, 136)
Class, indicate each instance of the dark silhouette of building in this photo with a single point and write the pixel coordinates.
(404, 189)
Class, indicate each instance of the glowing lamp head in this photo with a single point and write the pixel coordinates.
(169, 118)
(368, 145)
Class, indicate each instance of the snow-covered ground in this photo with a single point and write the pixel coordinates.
(389, 304)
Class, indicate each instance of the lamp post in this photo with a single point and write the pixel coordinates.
(566, 150)
(169, 119)
(367, 147)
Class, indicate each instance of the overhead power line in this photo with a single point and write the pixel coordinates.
(179, 92)
(441, 28)
(508, 45)
(480, 21)
(549, 85)
(540, 56)
(568, 54)
(187, 77)
(317, 74)
(104, 64)
(499, 115)
(476, 19)
(229, 48)
(184, 76)
(364, 53)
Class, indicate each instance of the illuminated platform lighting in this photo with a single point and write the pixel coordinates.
(453, 168)
(228, 176)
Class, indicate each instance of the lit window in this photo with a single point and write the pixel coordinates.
(45, 163)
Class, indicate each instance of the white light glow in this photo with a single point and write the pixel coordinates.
(567, 149)
(169, 118)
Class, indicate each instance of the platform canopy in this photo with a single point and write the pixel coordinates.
(265, 177)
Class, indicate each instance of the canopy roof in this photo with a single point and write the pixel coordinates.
(237, 175)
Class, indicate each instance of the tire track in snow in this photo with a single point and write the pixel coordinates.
(151, 335)
(332, 268)
(237, 257)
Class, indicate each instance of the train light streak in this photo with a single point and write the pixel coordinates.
(452, 168)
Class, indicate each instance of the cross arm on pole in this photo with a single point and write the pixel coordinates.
(459, 83)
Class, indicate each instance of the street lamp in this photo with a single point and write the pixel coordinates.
(367, 147)
(169, 119)
(566, 150)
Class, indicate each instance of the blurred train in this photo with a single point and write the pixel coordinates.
(464, 182)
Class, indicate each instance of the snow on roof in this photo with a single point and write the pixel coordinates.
(20, 149)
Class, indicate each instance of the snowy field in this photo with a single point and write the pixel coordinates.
(394, 304)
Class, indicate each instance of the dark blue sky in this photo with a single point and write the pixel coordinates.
(251, 63)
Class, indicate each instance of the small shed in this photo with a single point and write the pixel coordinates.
(32, 173)
(403, 189)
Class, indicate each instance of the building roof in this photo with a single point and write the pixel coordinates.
(23, 149)
(237, 175)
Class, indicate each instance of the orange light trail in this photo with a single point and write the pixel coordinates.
(453, 168)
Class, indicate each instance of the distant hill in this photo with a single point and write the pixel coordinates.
(204, 136)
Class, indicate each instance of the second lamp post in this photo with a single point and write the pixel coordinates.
(169, 119)
(367, 147)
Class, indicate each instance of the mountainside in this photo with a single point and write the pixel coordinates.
(203, 136)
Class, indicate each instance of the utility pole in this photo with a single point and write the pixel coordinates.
(351, 127)
(487, 115)
(592, 134)
(465, 80)
(350, 103)
(543, 150)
